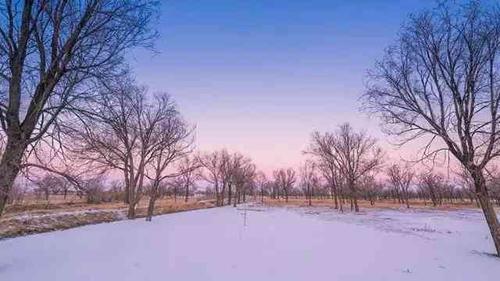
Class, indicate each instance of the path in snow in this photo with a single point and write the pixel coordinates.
(253, 243)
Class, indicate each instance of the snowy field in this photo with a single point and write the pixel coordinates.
(255, 243)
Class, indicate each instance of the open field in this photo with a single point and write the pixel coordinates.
(36, 216)
(262, 243)
(363, 204)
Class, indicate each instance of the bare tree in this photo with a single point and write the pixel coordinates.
(370, 188)
(170, 140)
(51, 53)
(466, 182)
(47, 185)
(132, 134)
(441, 81)
(112, 137)
(308, 179)
(213, 172)
(354, 154)
(401, 179)
(432, 186)
(188, 170)
(262, 184)
(285, 179)
(94, 190)
(228, 165)
(322, 147)
(332, 177)
(242, 175)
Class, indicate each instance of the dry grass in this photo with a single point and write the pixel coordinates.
(379, 204)
(36, 216)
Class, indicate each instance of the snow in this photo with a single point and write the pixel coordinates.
(256, 243)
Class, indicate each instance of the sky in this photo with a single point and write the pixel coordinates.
(260, 76)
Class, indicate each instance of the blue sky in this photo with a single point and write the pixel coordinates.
(259, 76)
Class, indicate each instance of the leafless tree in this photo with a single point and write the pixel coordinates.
(441, 81)
(262, 184)
(322, 147)
(94, 190)
(170, 141)
(173, 187)
(51, 53)
(401, 178)
(354, 154)
(213, 164)
(309, 179)
(494, 187)
(228, 165)
(133, 133)
(231, 174)
(47, 185)
(331, 176)
(371, 188)
(188, 172)
(112, 137)
(284, 180)
(464, 180)
(432, 186)
(242, 175)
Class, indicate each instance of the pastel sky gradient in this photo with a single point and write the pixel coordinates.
(259, 76)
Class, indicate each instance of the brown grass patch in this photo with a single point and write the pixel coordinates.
(33, 216)
(363, 204)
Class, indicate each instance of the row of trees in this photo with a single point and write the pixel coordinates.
(230, 175)
(397, 183)
(61, 96)
(128, 131)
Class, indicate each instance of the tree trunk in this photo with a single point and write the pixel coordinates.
(152, 199)
(9, 169)
(407, 200)
(132, 202)
(131, 211)
(487, 207)
(222, 194)
(151, 207)
(354, 194)
(186, 197)
(335, 196)
(341, 203)
(217, 195)
(236, 195)
(126, 192)
(309, 194)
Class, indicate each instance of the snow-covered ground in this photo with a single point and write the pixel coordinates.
(255, 243)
